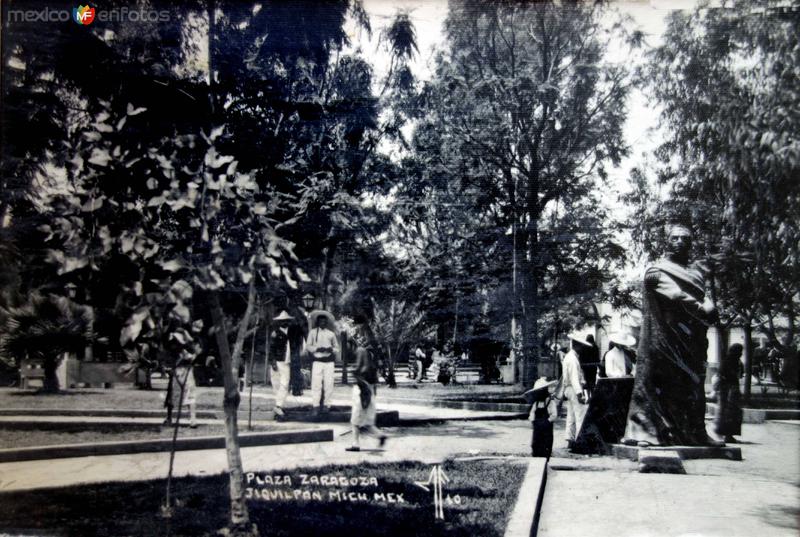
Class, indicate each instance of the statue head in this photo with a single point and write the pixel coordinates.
(679, 243)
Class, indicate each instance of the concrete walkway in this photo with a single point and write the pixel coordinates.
(427, 444)
(584, 497)
(759, 496)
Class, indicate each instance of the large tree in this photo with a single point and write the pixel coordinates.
(524, 97)
(731, 157)
(208, 173)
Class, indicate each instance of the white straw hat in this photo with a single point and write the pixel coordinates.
(580, 338)
(623, 339)
(283, 316)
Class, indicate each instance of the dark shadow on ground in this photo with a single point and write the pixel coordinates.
(460, 429)
(780, 516)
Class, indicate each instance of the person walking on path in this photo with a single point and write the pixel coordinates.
(728, 421)
(364, 408)
(284, 348)
(572, 389)
(323, 346)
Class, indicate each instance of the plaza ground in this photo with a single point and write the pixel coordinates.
(584, 495)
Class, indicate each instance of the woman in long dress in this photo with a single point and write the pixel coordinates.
(364, 410)
(728, 421)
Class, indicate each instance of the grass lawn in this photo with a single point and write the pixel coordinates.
(41, 435)
(481, 497)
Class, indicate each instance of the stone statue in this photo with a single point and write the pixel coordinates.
(668, 401)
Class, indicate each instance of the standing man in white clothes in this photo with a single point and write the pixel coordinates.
(281, 350)
(573, 389)
(323, 346)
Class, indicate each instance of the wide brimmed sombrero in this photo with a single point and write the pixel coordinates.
(283, 316)
(623, 339)
(580, 338)
(540, 390)
(314, 315)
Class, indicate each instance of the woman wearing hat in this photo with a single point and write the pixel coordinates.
(615, 362)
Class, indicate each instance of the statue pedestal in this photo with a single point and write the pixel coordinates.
(635, 453)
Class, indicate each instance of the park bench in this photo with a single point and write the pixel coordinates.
(30, 370)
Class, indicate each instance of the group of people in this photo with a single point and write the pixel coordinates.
(287, 345)
(580, 367)
(323, 348)
(667, 405)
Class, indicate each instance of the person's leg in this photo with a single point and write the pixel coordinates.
(356, 445)
(580, 413)
(377, 433)
(316, 384)
(419, 370)
(570, 427)
(283, 386)
(328, 384)
(191, 397)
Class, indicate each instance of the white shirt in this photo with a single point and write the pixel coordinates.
(322, 343)
(572, 374)
(616, 363)
(288, 357)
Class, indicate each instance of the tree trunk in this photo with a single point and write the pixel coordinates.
(530, 300)
(747, 354)
(345, 345)
(50, 380)
(530, 328)
(240, 518)
(326, 274)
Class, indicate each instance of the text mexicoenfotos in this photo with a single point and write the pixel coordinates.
(263, 487)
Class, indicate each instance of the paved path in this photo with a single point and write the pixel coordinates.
(585, 496)
(758, 496)
(428, 444)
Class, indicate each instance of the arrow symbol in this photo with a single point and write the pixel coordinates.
(437, 478)
(431, 479)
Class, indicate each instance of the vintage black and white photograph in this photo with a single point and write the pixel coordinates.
(427, 268)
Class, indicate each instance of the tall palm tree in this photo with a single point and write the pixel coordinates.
(44, 328)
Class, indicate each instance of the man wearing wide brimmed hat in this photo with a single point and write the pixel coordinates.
(280, 356)
(323, 347)
(615, 362)
(573, 388)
